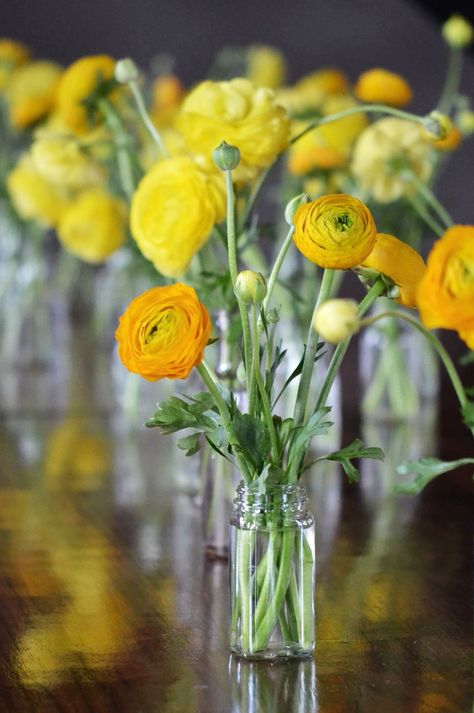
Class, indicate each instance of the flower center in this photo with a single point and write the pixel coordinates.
(343, 222)
(459, 279)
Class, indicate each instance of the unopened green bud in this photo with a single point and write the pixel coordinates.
(337, 320)
(458, 32)
(437, 125)
(250, 287)
(293, 206)
(465, 122)
(126, 71)
(226, 157)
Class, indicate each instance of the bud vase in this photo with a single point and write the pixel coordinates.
(272, 572)
(398, 372)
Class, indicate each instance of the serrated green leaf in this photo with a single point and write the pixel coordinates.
(425, 470)
(297, 371)
(250, 435)
(305, 434)
(191, 444)
(354, 450)
(175, 414)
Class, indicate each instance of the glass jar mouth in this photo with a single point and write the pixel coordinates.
(285, 498)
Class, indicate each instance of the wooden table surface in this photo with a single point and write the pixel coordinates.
(107, 603)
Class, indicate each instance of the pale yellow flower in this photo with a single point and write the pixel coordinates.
(63, 159)
(266, 66)
(384, 151)
(34, 197)
(12, 54)
(311, 91)
(31, 91)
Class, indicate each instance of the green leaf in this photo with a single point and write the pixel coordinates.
(175, 414)
(468, 414)
(191, 444)
(250, 435)
(468, 358)
(425, 470)
(354, 450)
(305, 434)
(297, 371)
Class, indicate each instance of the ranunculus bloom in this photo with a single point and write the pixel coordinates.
(77, 84)
(93, 226)
(173, 211)
(266, 66)
(384, 87)
(384, 150)
(163, 333)
(450, 142)
(61, 159)
(445, 295)
(33, 196)
(400, 263)
(238, 113)
(31, 92)
(335, 231)
(12, 54)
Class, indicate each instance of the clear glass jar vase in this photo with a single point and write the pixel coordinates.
(272, 573)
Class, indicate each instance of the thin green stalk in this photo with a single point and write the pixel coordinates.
(244, 554)
(452, 81)
(266, 588)
(311, 348)
(360, 109)
(429, 197)
(257, 375)
(253, 196)
(122, 146)
(277, 267)
(425, 215)
(142, 110)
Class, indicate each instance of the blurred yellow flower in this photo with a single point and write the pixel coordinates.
(78, 82)
(335, 231)
(266, 66)
(238, 113)
(163, 333)
(400, 263)
(445, 295)
(31, 91)
(33, 197)
(310, 92)
(167, 96)
(173, 211)
(384, 151)
(458, 32)
(383, 87)
(12, 54)
(450, 142)
(61, 158)
(93, 226)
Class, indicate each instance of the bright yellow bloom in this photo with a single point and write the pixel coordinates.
(383, 87)
(61, 158)
(93, 226)
(384, 151)
(458, 32)
(167, 96)
(173, 211)
(310, 92)
(33, 197)
(238, 113)
(335, 231)
(336, 320)
(79, 81)
(445, 295)
(266, 66)
(400, 263)
(450, 142)
(163, 333)
(31, 92)
(12, 54)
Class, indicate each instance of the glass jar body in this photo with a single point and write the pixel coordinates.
(272, 568)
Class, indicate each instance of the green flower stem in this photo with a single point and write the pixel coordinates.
(277, 267)
(210, 379)
(311, 348)
(253, 196)
(257, 375)
(431, 222)
(265, 589)
(245, 548)
(431, 200)
(360, 109)
(122, 147)
(145, 117)
(232, 257)
(375, 291)
(435, 343)
(452, 81)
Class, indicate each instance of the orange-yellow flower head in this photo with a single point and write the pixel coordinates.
(445, 295)
(78, 83)
(163, 333)
(384, 87)
(335, 231)
(400, 263)
(12, 54)
(31, 91)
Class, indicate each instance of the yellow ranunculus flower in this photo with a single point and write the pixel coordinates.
(336, 320)
(31, 92)
(400, 263)
(93, 226)
(61, 158)
(445, 295)
(335, 231)
(173, 211)
(384, 150)
(310, 92)
(384, 87)
(163, 333)
(77, 84)
(167, 96)
(12, 54)
(266, 66)
(238, 113)
(450, 142)
(33, 197)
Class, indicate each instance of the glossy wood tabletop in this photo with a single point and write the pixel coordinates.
(107, 603)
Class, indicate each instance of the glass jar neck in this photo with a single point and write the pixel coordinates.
(275, 506)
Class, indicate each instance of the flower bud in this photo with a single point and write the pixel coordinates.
(293, 206)
(458, 32)
(126, 71)
(226, 157)
(437, 125)
(250, 287)
(336, 320)
(465, 122)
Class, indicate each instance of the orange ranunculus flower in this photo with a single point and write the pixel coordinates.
(380, 85)
(450, 142)
(445, 295)
(400, 263)
(163, 333)
(335, 231)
